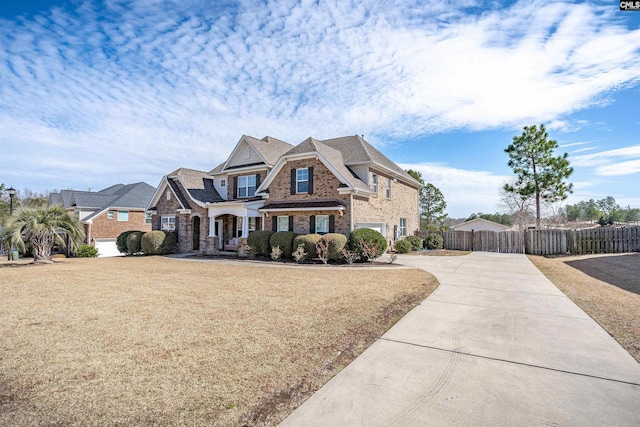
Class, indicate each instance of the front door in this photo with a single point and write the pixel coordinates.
(196, 233)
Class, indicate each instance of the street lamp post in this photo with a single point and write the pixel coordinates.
(12, 192)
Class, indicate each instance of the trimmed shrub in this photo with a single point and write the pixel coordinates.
(86, 251)
(403, 246)
(159, 242)
(134, 240)
(371, 237)
(121, 241)
(337, 242)
(433, 241)
(309, 241)
(284, 239)
(259, 242)
(416, 242)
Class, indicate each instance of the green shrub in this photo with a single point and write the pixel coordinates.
(337, 242)
(371, 237)
(121, 242)
(309, 241)
(403, 246)
(134, 241)
(284, 239)
(86, 251)
(259, 242)
(159, 242)
(416, 242)
(433, 241)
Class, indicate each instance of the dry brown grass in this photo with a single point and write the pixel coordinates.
(441, 252)
(606, 287)
(141, 341)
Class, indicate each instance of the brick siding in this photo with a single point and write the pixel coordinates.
(104, 228)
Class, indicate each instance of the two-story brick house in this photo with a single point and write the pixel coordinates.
(335, 185)
(107, 213)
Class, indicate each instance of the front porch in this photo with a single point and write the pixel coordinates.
(230, 224)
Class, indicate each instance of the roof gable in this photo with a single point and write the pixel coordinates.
(250, 151)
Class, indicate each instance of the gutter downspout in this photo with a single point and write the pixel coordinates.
(351, 212)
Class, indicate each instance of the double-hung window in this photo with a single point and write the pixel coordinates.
(403, 227)
(302, 180)
(110, 215)
(388, 192)
(123, 215)
(374, 182)
(322, 224)
(246, 186)
(168, 223)
(283, 223)
(252, 224)
(147, 218)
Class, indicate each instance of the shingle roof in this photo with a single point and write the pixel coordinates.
(355, 149)
(198, 184)
(333, 156)
(304, 204)
(270, 148)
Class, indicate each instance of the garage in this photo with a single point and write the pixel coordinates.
(380, 227)
(107, 247)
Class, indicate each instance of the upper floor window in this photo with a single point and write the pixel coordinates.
(403, 227)
(223, 182)
(168, 223)
(147, 218)
(374, 182)
(388, 190)
(110, 215)
(123, 215)
(302, 180)
(168, 195)
(246, 186)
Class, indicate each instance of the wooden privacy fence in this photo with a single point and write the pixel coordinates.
(543, 242)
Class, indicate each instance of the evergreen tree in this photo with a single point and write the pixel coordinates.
(539, 174)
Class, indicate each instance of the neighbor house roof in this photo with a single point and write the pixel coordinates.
(356, 150)
(132, 196)
(480, 222)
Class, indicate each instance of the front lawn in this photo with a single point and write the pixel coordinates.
(150, 340)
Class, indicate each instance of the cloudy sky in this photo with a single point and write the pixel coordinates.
(98, 92)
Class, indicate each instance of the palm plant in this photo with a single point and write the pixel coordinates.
(43, 227)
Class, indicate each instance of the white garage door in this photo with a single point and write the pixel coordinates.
(379, 227)
(107, 247)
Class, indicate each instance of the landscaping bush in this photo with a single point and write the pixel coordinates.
(337, 242)
(403, 246)
(309, 241)
(416, 242)
(370, 237)
(121, 241)
(259, 242)
(86, 251)
(134, 241)
(284, 239)
(433, 241)
(159, 242)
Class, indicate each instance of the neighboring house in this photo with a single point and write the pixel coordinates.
(480, 224)
(107, 213)
(335, 185)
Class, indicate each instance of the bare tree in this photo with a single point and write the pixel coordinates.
(518, 206)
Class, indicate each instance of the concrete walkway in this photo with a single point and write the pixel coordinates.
(495, 344)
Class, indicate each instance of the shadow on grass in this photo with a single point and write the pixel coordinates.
(622, 271)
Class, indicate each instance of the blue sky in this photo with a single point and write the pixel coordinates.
(93, 93)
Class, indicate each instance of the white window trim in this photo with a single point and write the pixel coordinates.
(148, 218)
(110, 215)
(162, 223)
(298, 180)
(326, 217)
(402, 229)
(247, 186)
(388, 189)
(123, 220)
(278, 223)
(374, 183)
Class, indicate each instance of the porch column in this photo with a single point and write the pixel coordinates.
(245, 226)
(212, 226)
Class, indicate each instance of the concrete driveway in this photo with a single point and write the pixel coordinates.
(495, 344)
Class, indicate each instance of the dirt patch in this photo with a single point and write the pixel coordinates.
(605, 287)
(150, 340)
